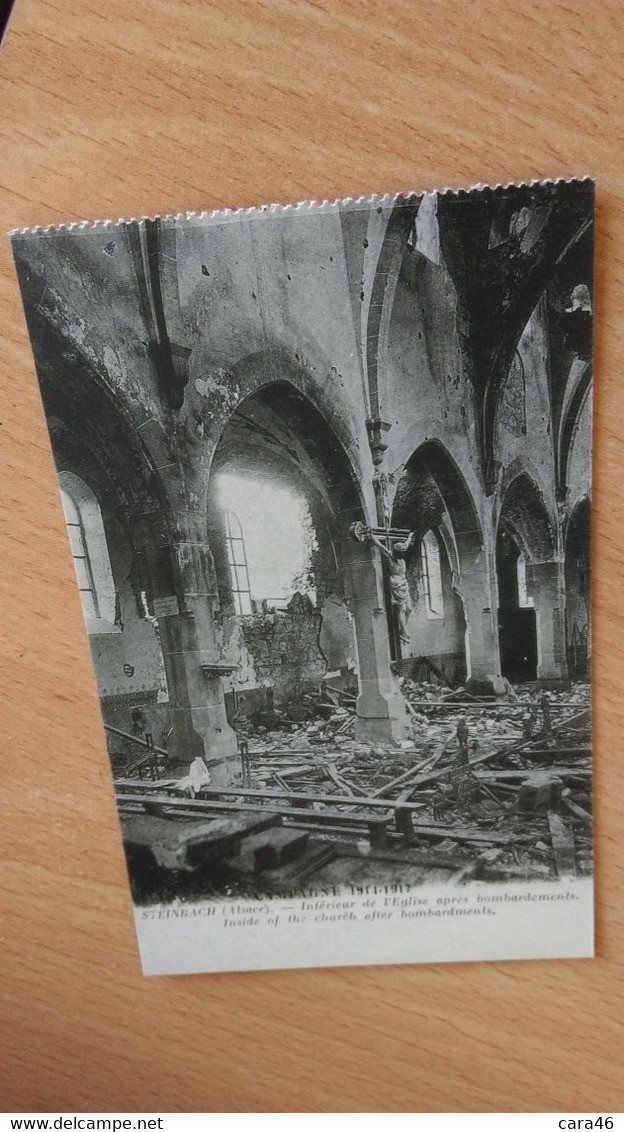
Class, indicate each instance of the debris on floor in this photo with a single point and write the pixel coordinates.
(502, 786)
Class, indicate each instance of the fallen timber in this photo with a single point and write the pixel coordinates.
(162, 803)
(500, 751)
(557, 752)
(411, 773)
(545, 772)
(219, 792)
(149, 748)
(165, 805)
(562, 839)
(395, 818)
(488, 705)
(415, 776)
(502, 748)
(577, 810)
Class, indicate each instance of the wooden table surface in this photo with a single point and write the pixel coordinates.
(155, 106)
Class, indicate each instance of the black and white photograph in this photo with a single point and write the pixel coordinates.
(326, 476)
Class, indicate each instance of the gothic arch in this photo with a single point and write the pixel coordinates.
(431, 488)
(523, 513)
(381, 302)
(278, 430)
(303, 439)
(260, 373)
(102, 431)
(432, 496)
(531, 625)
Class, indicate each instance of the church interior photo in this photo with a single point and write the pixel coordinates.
(326, 477)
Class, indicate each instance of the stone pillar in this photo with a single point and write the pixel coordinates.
(482, 648)
(181, 587)
(381, 711)
(546, 587)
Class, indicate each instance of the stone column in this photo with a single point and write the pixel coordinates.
(482, 648)
(180, 580)
(381, 711)
(546, 587)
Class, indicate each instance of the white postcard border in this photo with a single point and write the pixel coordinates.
(420, 924)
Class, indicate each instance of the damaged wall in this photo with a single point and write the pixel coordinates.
(129, 663)
(123, 638)
(288, 651)
(440, 639)
(285, 648)
(135, 644)
(280, 654)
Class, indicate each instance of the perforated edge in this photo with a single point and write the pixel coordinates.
(227, 214)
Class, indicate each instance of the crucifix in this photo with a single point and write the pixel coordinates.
(394, 544)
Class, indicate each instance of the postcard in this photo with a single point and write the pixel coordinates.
(326, 476)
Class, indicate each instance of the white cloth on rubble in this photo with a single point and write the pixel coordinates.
(198, 776)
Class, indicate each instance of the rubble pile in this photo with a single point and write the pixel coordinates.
(503, 786)
(502, 767)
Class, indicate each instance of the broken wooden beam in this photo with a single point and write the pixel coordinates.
(465, 833)
(338, 781)
(535, 773)
(413, 771)
(562, 839)
(557, 752)
(577, 810)
(169, 807)
(488, 705)
(496, 752)
(136, 791)
(437, 672)
(423, 858)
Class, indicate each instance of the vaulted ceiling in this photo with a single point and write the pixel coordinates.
(503, 250)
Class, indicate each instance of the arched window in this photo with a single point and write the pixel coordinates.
(82, 562)
(237, 558)
(94, 574)
(525, 600)
(431, 575)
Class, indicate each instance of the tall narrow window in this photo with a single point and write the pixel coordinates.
(431, 576)
(237, 559)
(94, 574)
(82, 562)
(525, 600)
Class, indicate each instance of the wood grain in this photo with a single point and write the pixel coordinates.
(157, 106)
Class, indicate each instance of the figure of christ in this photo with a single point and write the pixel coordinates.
(399, 588)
